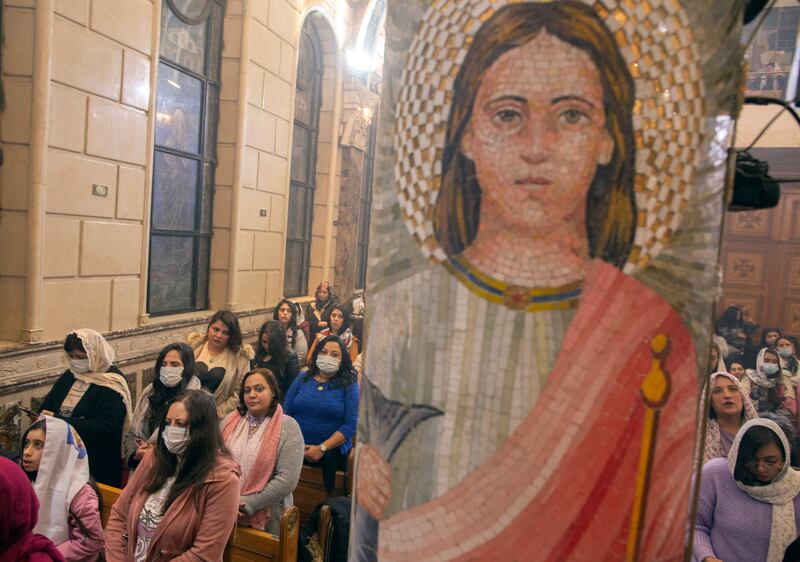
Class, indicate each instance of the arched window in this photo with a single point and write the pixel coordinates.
(304, 162)
(187, 109)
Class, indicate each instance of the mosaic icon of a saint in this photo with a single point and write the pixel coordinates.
(567, 388)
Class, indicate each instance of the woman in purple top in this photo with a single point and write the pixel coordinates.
(324, 401)
(729, 407)
(749, 507)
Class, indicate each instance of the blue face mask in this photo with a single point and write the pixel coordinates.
(770, 369)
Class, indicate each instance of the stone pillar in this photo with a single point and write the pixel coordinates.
(360, 105)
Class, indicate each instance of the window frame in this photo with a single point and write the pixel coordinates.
(365, 208)
(206, 157)
(299, 287)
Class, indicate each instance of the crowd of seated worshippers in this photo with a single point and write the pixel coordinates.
(221, 426)
(229, 429)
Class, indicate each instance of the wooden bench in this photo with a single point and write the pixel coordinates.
(245, 544)
(310, 489)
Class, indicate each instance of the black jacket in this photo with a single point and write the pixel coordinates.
(98, 417)
(284, 373)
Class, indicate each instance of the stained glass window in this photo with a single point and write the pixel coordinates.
(303, 162)
(187, 99)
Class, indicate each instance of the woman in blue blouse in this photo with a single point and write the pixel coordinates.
(324, 401)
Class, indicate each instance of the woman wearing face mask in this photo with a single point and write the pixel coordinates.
(286, 313)
(728, 409)
(221, 359)
(769, 338)
(769, 386)
(749, 507)
(268, 446)
(339, 320)
(324, 401)
(19, 512)
(182, 501)
(272, 354)
(318, 311)
(55, 460)
(175, 373)
(93, 396)
(787, 352)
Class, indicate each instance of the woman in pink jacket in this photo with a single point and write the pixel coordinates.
(57, 464)
(183, 499)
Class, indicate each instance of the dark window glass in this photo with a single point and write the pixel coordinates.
(174, 192)
(364, 210)
(171, 267)
(303, 162)
(183, 43)
(187, 110)
(179, 104)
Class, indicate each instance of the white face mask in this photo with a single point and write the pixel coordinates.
(327, 364)
(770, 368)
(79, 366)
(171, 376)
(785, 352)
(176, 439)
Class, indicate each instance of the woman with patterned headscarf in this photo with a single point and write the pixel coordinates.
(55, 460)
(728, 409)
(93, 397)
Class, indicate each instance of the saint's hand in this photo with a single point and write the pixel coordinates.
(373, 481)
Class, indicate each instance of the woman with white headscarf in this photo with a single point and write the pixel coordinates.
(728, 409)
(56, 462)
(749, 506)
(93, 396)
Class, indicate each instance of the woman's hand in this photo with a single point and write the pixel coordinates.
(322, 324)
(313, 452)
(711, 559)
(141, 449)
(373, 481)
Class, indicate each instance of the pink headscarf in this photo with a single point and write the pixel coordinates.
(19, 510)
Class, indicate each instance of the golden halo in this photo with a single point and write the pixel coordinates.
(654, 38)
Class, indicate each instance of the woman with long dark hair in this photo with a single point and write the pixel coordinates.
(183, 499)
(54, 458)
(273, 354)
(94, 398)
(174, 374)
(324, 401)
(221, 359)
(749, 507)
(318, 311)
(286, 313)
(338, 325)
(268, 446)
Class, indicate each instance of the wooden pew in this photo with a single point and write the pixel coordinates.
(310, 488)
(245, 544)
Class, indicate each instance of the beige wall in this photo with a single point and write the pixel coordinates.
(95, 248)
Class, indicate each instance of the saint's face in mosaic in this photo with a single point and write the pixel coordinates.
(538, 166)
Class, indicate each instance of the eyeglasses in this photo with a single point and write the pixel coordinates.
(768, 463)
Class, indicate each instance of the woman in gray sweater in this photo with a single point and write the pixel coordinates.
(268, 446)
